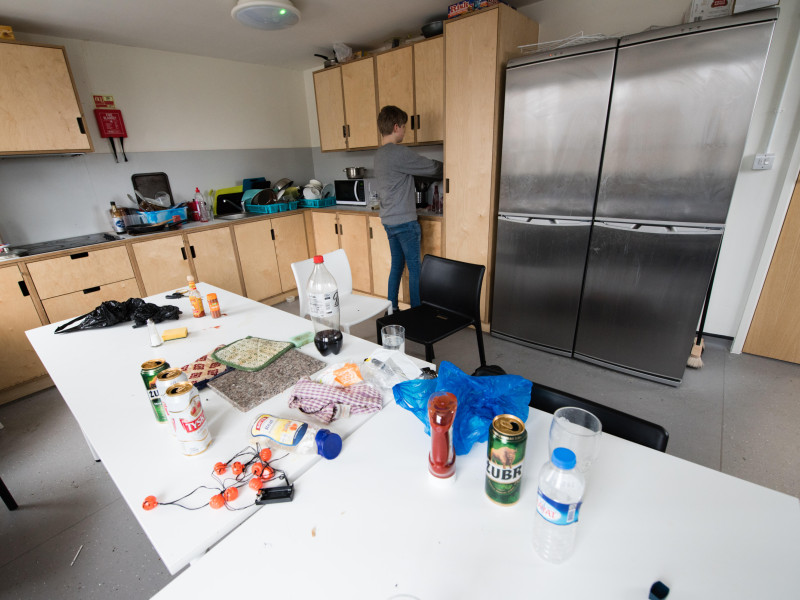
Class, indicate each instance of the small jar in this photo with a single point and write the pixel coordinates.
(213, 306)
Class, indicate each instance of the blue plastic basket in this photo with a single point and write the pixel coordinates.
(265, 209)
(317, 202)
(158, 216)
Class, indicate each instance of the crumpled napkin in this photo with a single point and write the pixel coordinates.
(327, 403)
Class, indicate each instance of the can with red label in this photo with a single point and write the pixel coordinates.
(186, 410)
(164, 380)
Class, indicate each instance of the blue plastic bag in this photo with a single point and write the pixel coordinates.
(480, 399)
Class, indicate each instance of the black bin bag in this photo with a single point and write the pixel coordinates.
(112, 312)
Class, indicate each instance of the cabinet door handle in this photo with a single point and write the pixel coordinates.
(336, 229)
(78, 255)
(348, 131)
(446, 186)
(370, 232)
(80, 125)
(92, 290)
(419, 123)
(191, 251)
(341, 229)
(23, 288)
(183, 251)
(344, 131)
(272, 231)
(412, 122)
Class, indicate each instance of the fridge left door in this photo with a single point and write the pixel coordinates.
(537, 281)
(644, 291)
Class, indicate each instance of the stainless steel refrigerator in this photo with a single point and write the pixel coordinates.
(618, 165)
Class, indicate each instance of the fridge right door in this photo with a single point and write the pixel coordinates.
(643, 293)
(678, 121)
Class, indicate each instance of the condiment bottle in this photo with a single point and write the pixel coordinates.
(117, 218)
(195, 298)
(213, 306)
(442, 412)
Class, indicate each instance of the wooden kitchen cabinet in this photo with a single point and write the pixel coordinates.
(18, 360)
(412, 78)
(349, 232)
(40, 106)
(74, 284)
(346, 112)
(477, 48)
(163, 264)
(214, 258)
(267, 250)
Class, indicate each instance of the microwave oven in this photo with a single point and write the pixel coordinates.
(350, 191)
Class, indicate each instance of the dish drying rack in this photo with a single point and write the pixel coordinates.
(573, 40)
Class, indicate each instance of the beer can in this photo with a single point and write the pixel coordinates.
(150, 369)
(505, 454)
(164, 381)
(186, 410)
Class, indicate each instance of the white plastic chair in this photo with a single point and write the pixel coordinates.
(353, 308)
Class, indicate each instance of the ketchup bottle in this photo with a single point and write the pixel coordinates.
(442, 413)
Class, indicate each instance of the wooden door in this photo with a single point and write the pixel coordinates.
(163, 264)
(354, 240)
(290, 246)
(471, 51)
(429, 89)
(215, 258)
(18, 360)
(775, 330)
(396, 84)
(358, 83)
(330, 109)
(258, 259)
(326, 231)
(41, 112)
(381, 257)
(431, 242)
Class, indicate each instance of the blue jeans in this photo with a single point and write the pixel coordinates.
(404, 245)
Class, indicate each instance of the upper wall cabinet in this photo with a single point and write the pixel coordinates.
(412, 78)
(346, 106)
(41, 111)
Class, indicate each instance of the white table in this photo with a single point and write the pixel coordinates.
(374, 525)
(97, 373)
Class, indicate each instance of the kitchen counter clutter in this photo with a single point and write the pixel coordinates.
(142, 457)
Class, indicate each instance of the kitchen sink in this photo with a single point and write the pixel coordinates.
(234, 216)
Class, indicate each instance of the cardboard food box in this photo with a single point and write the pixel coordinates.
(466, 6)
(710, 9)
(744, 5)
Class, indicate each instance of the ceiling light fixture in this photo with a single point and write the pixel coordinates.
(266, 14)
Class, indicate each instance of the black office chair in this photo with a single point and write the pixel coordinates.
(450, 296)
(6, 496)
(614, 421)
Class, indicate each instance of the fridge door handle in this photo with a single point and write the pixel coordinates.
(660, 229)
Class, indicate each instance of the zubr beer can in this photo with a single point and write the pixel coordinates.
(150, 369)
(505, 455)
(186, 411)
(164, 380)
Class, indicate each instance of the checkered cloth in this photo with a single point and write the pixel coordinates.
(202, 370)
(327, 403)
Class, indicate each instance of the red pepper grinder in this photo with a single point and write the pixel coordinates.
(442, 413)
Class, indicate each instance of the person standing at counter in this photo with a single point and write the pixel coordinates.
(395, 168)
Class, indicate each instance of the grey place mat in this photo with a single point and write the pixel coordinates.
(245, 390)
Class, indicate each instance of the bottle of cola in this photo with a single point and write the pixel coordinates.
(323, 306)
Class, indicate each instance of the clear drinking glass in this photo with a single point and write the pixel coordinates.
(394, 337)
(580, 431)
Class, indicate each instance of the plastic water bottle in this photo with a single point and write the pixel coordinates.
(323, 305)
(295, 437)
(558, 504)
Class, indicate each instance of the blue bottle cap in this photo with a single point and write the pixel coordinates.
(564, 458)
(329, 444)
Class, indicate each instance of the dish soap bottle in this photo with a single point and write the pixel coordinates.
(200, 205)
(117, 218)
(195, 298)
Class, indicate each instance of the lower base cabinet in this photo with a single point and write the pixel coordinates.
(214, 258)
(163, 264)
(80, 303)
(18, 360)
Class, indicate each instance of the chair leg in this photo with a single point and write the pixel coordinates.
(429, 352)
(480, 344)
(378, 327)
(7, 497)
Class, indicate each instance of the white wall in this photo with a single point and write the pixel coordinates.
(207, 123)
(761, 197)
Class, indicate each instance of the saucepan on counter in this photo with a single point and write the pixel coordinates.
(355, 172)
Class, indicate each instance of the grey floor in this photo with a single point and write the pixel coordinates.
(738, 414)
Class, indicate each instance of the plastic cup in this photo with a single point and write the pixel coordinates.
(580, 431)
(394, 338)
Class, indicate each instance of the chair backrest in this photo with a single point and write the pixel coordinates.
(336, 262)
(615, 422)
(451, 285)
